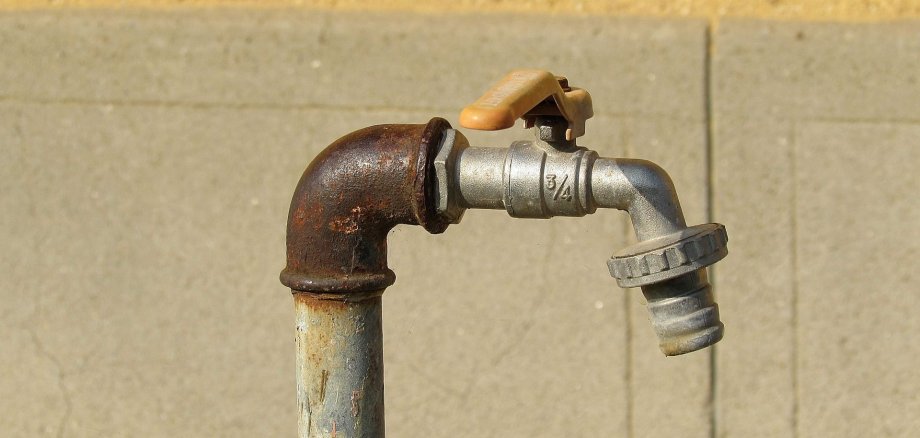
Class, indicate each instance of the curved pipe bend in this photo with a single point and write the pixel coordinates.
(641, 188)
(348, 199)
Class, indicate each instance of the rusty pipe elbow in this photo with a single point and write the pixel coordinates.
(348, 199)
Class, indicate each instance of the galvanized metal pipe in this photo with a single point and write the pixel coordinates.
(339, 365)
(641, 188)
(480, 184)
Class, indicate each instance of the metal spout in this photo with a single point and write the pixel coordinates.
(547, 177)
(670, 259)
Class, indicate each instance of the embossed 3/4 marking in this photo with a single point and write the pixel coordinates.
(560, 190)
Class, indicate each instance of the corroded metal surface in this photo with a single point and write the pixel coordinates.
(339, 365)
(349, 198)
(346, 202)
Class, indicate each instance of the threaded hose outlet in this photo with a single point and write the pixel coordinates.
(671, 270)
(684, 314)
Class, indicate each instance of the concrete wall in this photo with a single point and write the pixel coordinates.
(147, 160)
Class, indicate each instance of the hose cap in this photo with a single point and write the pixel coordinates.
(656, 260)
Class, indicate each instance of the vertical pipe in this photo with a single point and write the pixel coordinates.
(339, 366)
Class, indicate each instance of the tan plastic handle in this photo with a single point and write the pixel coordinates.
(520, 94)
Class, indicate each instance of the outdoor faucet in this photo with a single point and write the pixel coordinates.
(369, 181)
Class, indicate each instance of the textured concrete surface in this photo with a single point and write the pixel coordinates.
(857, 280)
(752, 169)
(814, 154)
(148, 161)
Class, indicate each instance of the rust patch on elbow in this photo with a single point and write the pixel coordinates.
(350, 197)
(347, 224)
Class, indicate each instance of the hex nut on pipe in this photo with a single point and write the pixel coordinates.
(445, 162)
